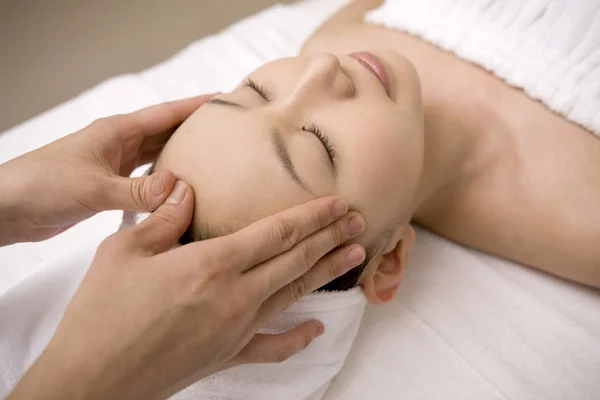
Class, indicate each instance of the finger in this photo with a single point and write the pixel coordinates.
(264, 348)
(276, 273)
(161, 230)
(156, 119)
(276, 234)
(145, 193)
(327, 269)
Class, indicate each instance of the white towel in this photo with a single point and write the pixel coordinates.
(304, 376)
(307, 374)
(31, 311)
(548, 48)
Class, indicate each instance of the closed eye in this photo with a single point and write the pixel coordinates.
(325, 141)
(257, 88)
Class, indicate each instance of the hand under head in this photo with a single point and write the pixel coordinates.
(305, 127)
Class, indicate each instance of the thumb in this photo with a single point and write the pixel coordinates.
(145, 193)
(161, 230)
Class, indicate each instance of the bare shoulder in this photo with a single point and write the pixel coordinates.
(537, 200)
(352, 13)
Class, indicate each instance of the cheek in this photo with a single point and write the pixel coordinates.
(375, 143)
(372, 165)
(382, 169)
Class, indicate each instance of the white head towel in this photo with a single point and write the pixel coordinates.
(307, 374)
(304, 376)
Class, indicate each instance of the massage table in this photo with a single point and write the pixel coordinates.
(464, 325)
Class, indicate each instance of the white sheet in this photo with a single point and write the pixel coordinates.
(463, 326)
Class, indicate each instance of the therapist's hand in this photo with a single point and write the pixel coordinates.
(148, 321)
(46, 191)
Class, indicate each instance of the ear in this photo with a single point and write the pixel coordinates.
(381, 283)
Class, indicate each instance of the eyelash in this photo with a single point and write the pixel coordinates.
(323, 138)
(257, 88)
(311, 128)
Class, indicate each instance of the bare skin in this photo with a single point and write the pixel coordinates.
(524, 183)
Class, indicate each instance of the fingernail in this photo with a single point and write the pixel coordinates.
(177, 194)
(356, 225)
(340, 207)
(157, 184)
(355, 257)
(320, 330)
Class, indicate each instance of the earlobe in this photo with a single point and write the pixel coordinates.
(385, 295)
(381, 285)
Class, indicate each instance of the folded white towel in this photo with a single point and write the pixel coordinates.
(307, 374)
(304, 376)
(548, 48)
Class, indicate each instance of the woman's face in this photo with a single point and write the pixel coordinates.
(301, 128)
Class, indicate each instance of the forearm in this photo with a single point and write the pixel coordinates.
(67, 372)
(34, 203)
(47, 382)
(9, 207)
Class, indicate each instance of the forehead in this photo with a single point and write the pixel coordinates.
(229, 160)
(283, 67)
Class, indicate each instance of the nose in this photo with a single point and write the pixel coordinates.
(322, 79)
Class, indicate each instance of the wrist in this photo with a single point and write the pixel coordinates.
(55, 376)
(13, 196)
(42, 381)
(8, 216)
(10, 221)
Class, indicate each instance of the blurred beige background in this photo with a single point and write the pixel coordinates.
(52, 50)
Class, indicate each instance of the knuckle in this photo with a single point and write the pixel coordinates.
(164, 216)
(198, 284)
(238, 312)
(322, 218)
(284, 354)
(137, 189)
(286, 232)
(169, 111)
(306, 341)
(338, 233)
(99, 123)
(334, 267)
(298, 289)
(114, 243)
(107, 245)
(126, 238)
(102, 125)
(230, 248)
(307, 255)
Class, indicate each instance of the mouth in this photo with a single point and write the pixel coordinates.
(372, 63)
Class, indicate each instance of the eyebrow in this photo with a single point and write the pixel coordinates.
(286, 161)
(226, 103)
(278, 143)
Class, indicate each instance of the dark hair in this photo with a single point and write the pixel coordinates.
(350, 278)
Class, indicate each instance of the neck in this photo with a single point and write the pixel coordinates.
(455, 134)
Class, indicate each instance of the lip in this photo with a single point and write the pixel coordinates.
(372, 63)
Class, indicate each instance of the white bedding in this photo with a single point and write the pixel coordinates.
(463, 326)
